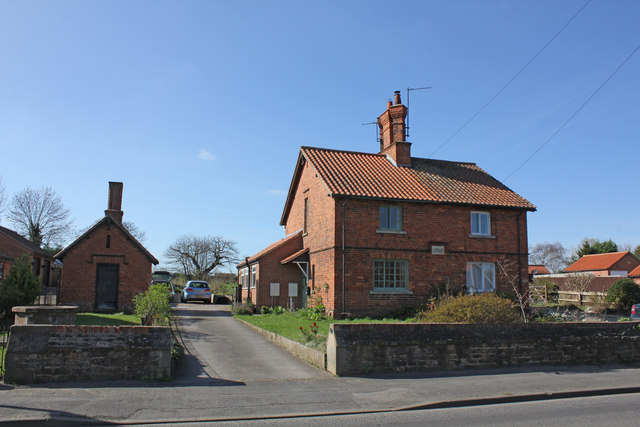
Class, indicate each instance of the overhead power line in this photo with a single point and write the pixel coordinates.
(509, 82)
(574, 114)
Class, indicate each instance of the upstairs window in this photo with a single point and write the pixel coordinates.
(480, 224)
(481, 277)
(390, 218)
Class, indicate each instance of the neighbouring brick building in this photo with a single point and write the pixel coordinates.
(608, 264)
(13, 246)
(106, 266)
(373, 233)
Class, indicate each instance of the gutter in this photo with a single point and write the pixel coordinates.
(343, 256)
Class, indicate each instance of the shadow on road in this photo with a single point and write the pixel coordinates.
(53, 418)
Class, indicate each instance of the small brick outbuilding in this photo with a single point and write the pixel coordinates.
(13, 246)
(106, 266)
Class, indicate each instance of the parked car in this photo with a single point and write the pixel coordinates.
(196, 290)
(635, 312)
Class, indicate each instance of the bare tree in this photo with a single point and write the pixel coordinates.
(551, 255)
(135, 231)
(40, 216)
(2, 198)
(523, 299)
(579, 282)
(198, 256)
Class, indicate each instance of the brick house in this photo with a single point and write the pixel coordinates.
(609, 264)
(538, 269)
(106, 266)
(635, 274)
(13, 246)
(378, 231)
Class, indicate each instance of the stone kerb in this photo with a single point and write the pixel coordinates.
(45, 314)
(354, 349)
(58, 353)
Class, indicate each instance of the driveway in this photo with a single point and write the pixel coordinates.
(217, 346)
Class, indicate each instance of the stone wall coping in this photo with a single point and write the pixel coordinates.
(45, 308)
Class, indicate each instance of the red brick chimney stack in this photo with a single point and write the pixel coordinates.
(114, 207)
(392, 132)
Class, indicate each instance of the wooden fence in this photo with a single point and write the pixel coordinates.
(541, 293)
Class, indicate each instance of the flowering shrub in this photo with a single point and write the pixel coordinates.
(311, 333)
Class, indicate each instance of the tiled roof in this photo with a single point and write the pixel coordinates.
(106, 218)
(271, 247)
(635, 272)
(353, 174)
(596, 261)
(538, 269)
(26, 243)
(295, 255)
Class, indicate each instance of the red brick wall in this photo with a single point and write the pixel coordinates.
(627, 263)
(78, 283)
(13, 249)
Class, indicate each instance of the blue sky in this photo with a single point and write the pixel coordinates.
(200, 107)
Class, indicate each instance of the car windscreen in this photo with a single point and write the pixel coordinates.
(199, 285)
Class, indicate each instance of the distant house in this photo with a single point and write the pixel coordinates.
(13, 246)
(538, 269)
(635, 274)
(106, 266)
(609, 264)
(371, 233)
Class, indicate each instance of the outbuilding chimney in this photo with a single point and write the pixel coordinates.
(393, 131)
(114, 207)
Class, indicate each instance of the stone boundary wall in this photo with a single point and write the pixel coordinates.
(355, 349)
(60, 353)
(308, 354)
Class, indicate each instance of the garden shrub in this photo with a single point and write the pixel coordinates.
(265, 309)
(242, 309)
(153, 305)
(483, 308)
(20, 287)
(625, 293)
(277, 310)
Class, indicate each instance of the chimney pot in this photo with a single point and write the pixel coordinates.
(389, 103)
(396, 98)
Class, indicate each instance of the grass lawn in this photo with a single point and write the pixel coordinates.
(288, 324)
(103, 319)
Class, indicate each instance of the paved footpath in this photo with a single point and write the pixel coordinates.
(231, 372)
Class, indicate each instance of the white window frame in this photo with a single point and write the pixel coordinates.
(388, 226)
(244, 272)
(485, 272)
(476, 223)
(399, 266)
(254, 269)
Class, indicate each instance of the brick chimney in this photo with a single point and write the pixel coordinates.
(392, 132)
(114, 207)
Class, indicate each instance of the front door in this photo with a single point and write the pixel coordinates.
(107, 287)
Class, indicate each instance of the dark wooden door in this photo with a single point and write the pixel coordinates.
(107, 287)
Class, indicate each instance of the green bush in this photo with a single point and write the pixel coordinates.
(20, 287)
(153, 305)
(242, 309)
(483, 308)
(625, 293)
(265, 309)
(277, 310)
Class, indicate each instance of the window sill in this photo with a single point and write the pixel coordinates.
(391, 292)
(481, 236)
(391, 232)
